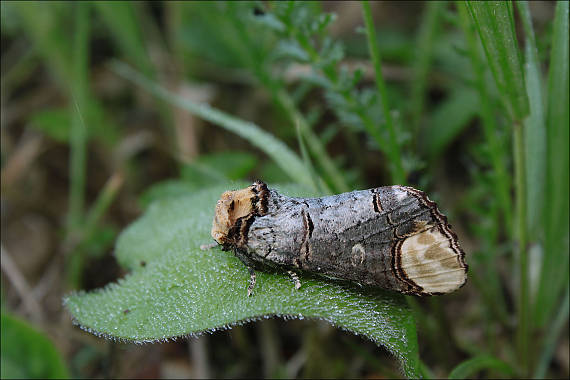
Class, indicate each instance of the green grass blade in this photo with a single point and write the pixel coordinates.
(126, 32)
(393, 148)
(469, 368)
(495, 24)
(426, 38)
(102, 203)
(43, 26)
(316, 147)
(182, 290)
(552, 336)
(523, 310)
(554, 274)
(502, 182)
(534, 129)
(78, 132)
(490, 283)
(277, 150)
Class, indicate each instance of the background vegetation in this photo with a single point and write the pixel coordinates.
(118, 111)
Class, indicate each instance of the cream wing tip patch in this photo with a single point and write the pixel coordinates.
(431, 261)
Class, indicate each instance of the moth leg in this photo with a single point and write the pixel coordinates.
(251, 281)
(294, 278)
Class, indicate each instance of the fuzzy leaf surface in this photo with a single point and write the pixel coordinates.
(182, 290)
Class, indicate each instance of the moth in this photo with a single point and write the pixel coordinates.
(391, 237)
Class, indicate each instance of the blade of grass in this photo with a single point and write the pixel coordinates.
(470, 367)
(426, 36)
(398, 173)
(554, 273)
(132, 34)
(78, 133)
(523, 332)
(313, 142)
(102, 203)
(277, 150)
(75, 244)
(534, 129)
(41, 24)
(495, 23)
(322, 186)
(501, 179)
(45, 24)
(552, 336)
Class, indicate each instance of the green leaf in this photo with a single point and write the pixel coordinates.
(27, 353)
(495, 24)
(470, 367)
(182, 290)
(274, 148)
(534, 129)
(554, 273)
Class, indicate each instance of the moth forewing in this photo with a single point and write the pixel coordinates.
(391, 237)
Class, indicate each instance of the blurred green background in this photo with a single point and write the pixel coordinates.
(101, 117)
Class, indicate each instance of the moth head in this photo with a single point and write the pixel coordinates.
(231, 206)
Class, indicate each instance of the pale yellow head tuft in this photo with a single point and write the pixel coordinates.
(231, 206)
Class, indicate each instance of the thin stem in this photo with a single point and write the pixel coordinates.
(284, 100)
(398, 174)
(102, 203)
(523, 302)
(78, 137)
(424, 51)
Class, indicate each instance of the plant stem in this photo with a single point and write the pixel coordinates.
(397, 169)
(424, 52)
(317, 148)
(102, 203)
(523, 304)
(78, 135)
